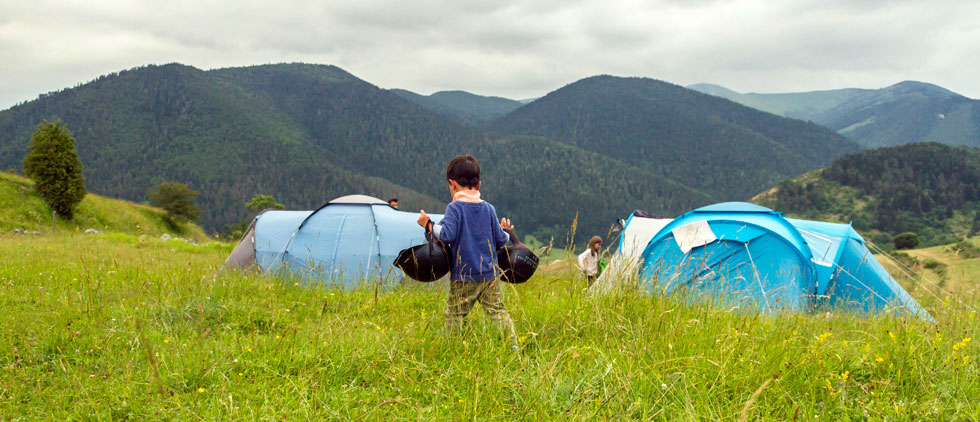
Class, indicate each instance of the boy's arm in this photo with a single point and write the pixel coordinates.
(500, 237)
(448, 228)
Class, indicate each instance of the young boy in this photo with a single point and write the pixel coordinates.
(588, 261)
(470, 228)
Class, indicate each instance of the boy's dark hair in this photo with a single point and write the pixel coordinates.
(392, 200)
(465, 170)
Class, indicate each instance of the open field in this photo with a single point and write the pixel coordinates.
(112, 327)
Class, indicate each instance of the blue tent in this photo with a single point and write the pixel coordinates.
(753, 257)
(350, 239)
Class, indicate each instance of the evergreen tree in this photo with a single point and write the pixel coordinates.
(177, 200)
(55, 168)
(258, 203)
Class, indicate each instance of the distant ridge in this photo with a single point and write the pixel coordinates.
(466, 107)
(903, 113)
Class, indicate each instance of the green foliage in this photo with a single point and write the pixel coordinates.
(927, 188)
(975, 226)
(907, 240)
(177, 200)
(259, 203)
(965, 249)
(55, 168)
(115, 329)
(932, 263)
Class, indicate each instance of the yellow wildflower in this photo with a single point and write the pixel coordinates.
(200, 389)
(961, 344)
(879, 359)
(892, 335)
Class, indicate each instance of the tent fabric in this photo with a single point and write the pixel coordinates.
(765, 261)
(637, 232)
(750, 265)
(849, 276)
(243, 256)
(692, 235)
(349, 239)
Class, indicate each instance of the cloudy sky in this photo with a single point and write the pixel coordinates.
(495, 47)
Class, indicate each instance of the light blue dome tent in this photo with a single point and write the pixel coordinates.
(753, 257)
(350, 239)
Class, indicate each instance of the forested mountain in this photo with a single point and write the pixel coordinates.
(466, 107)
(309, 133)
(902, 113)
(927, 188)
(723, 148)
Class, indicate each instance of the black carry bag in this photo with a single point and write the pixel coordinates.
(516, 261)
(426, 262)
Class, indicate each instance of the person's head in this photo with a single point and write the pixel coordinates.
(463, 172)
(595, 243)
(393, 202)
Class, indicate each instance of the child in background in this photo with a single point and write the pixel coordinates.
(471, 230)
(588, 261)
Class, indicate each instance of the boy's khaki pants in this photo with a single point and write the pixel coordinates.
(462, 297)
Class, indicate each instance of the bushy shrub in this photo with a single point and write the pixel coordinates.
(907, 240)
(55, 168)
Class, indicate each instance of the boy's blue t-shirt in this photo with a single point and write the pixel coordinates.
(473, 233)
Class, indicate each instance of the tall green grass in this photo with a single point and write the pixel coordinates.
(117, 328)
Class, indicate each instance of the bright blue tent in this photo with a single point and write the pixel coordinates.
(350, 239)
(751, 256)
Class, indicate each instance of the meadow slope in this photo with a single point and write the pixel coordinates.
(114, 327)
(21, 208)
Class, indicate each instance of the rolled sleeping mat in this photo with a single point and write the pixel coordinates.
(516, 261)
(426, 262)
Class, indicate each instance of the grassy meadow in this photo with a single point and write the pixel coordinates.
(115, 327)
(21, 208)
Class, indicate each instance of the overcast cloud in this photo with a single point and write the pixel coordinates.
(493, 47)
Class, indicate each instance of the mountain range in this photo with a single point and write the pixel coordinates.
(903, 113)
(592, 151)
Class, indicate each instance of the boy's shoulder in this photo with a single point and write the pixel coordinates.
(462, 207)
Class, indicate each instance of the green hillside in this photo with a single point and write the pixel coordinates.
(466, 107)
(309, 133)
(902, 113)
(21, 208)
(927, 188)
(725, 149)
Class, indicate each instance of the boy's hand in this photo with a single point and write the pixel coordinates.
(505, 224)
(423, 219)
